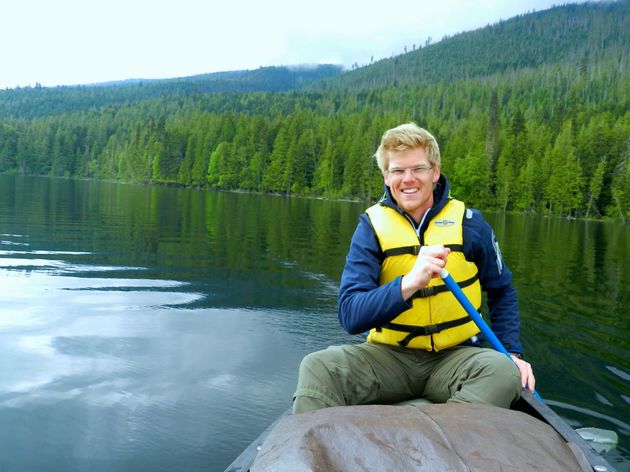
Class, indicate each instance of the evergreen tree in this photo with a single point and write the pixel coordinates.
(274, 176)
(620, 204)
(323, 176)
(217, 162)
(527, 182)
(492, 132)
(563, 191)
(595, 187)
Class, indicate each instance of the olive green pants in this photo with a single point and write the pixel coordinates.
(357, 374)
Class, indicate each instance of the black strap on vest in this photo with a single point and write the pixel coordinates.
(430, 291)
(415, 331)
(399, 251)
(415, 250)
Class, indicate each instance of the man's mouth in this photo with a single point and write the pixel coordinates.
(409, 190)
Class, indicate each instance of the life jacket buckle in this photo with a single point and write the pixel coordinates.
(432, 329)
(425, 292)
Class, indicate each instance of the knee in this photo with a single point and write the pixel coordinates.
(491, 378)
(323, 364)
(507, 381)
(317, 385)
(313, 366)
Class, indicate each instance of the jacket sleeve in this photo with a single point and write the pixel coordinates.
(363, 304)
(482, 248)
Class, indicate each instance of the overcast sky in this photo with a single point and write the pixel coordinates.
(67, 42)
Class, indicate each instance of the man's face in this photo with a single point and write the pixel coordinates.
(410, 177)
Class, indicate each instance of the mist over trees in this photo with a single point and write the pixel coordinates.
(532, 114)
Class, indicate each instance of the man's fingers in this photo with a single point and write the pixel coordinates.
(439, 252)
(527, 374)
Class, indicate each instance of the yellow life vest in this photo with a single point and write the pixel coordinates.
(436, 320)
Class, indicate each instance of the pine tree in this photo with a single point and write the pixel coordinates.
(274, 173)
(492, 133)
(595, 186)
(217, 162)
(621, 187)
(563, 191)
(527, 182)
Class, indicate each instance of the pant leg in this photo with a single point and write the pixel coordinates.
(474, 375)
(355, 374)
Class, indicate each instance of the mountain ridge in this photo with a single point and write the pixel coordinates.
(580, 33)
(40, 101)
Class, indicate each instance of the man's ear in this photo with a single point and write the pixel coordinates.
(436, 174)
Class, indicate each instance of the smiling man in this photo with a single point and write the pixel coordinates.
(421, 343)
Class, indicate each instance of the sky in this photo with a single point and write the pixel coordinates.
(69, 42)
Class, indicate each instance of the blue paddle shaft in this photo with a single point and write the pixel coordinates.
(474, 314)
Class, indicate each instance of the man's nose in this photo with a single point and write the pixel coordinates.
(408, 175)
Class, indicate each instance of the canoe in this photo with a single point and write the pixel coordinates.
(529, 436)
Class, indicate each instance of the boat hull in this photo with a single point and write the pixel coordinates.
(423, 437)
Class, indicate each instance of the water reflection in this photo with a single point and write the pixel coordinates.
(152, 328)
(573, 279)
(113, 379)
(140, 331)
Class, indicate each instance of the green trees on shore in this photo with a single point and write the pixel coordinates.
(577, 165)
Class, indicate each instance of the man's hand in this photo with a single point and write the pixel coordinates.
(527, 375)
(429, 262)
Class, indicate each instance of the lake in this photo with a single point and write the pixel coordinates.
(159, 328)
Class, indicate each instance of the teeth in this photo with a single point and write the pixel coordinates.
(409, 190)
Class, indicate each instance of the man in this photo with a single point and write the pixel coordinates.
(421, 343)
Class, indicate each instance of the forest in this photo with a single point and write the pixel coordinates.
(532, 114)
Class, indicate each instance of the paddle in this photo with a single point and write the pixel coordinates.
(476, 317)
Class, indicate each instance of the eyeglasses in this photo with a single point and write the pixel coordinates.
(415, 171)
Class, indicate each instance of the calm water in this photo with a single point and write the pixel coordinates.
(152, 328)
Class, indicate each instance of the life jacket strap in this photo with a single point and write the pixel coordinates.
(430, 291)
(415, 250)
(401, 251)
(415, 331)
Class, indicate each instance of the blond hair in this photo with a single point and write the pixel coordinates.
(405, 137)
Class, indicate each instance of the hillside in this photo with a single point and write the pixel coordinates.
(532, 114)
(41, 101)
(574, 35)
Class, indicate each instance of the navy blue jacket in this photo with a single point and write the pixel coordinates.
(364, 305)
